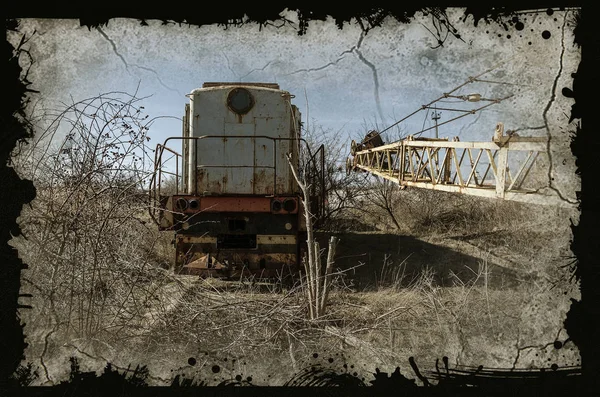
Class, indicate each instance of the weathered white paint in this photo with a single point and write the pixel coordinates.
(241, 154)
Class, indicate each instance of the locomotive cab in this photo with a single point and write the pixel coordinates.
(236, 208)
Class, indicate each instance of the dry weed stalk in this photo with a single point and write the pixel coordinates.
(317, 285)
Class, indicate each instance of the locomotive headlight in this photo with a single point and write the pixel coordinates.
(240, 100)
(181, 204)
(194, 204)
(276, 206)
(288, 226)
(289, 205)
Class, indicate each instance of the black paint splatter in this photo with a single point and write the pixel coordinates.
(558, 344)
(396, 381)
(319, 376)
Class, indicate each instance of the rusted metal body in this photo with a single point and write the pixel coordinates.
(236, 207)
(495, 169)
(371, 140)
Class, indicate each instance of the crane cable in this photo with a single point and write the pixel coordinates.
(447, 95)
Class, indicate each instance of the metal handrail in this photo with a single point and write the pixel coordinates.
(155, 185)
(198, 138)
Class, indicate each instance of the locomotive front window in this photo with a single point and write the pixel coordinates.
(240, 100)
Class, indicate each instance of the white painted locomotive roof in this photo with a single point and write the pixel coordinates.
(215, 84)
(218, 85)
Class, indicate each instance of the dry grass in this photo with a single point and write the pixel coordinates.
(268, 335)
(263, 330)
(482, 284)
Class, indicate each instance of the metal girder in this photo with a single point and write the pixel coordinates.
(475, 168)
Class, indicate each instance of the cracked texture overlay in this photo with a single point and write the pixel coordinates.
(345, 81)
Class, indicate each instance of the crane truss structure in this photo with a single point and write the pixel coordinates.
(496, 169)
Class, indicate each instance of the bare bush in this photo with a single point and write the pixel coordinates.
(87, 239)
(343, 191)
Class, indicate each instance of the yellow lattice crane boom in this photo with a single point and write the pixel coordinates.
(499, 168)
(508, 166)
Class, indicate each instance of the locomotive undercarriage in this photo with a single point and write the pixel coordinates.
(273, 256)
(259, 238)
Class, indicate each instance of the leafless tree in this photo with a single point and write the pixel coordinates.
(344, 191)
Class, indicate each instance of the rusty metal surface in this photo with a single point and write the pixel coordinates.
(200, 255)
(220, 222)
(193, 204)
(269, 245)
(261, 240)
(233, 204)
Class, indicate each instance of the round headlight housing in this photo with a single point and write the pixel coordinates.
(240, 100)
(181, 204)
(289, 205)
(276, 206)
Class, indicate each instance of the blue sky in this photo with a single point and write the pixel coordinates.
(343, 81)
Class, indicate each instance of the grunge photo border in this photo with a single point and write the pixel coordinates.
(14, 192)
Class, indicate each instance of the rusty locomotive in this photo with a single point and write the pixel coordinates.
(234, 204)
